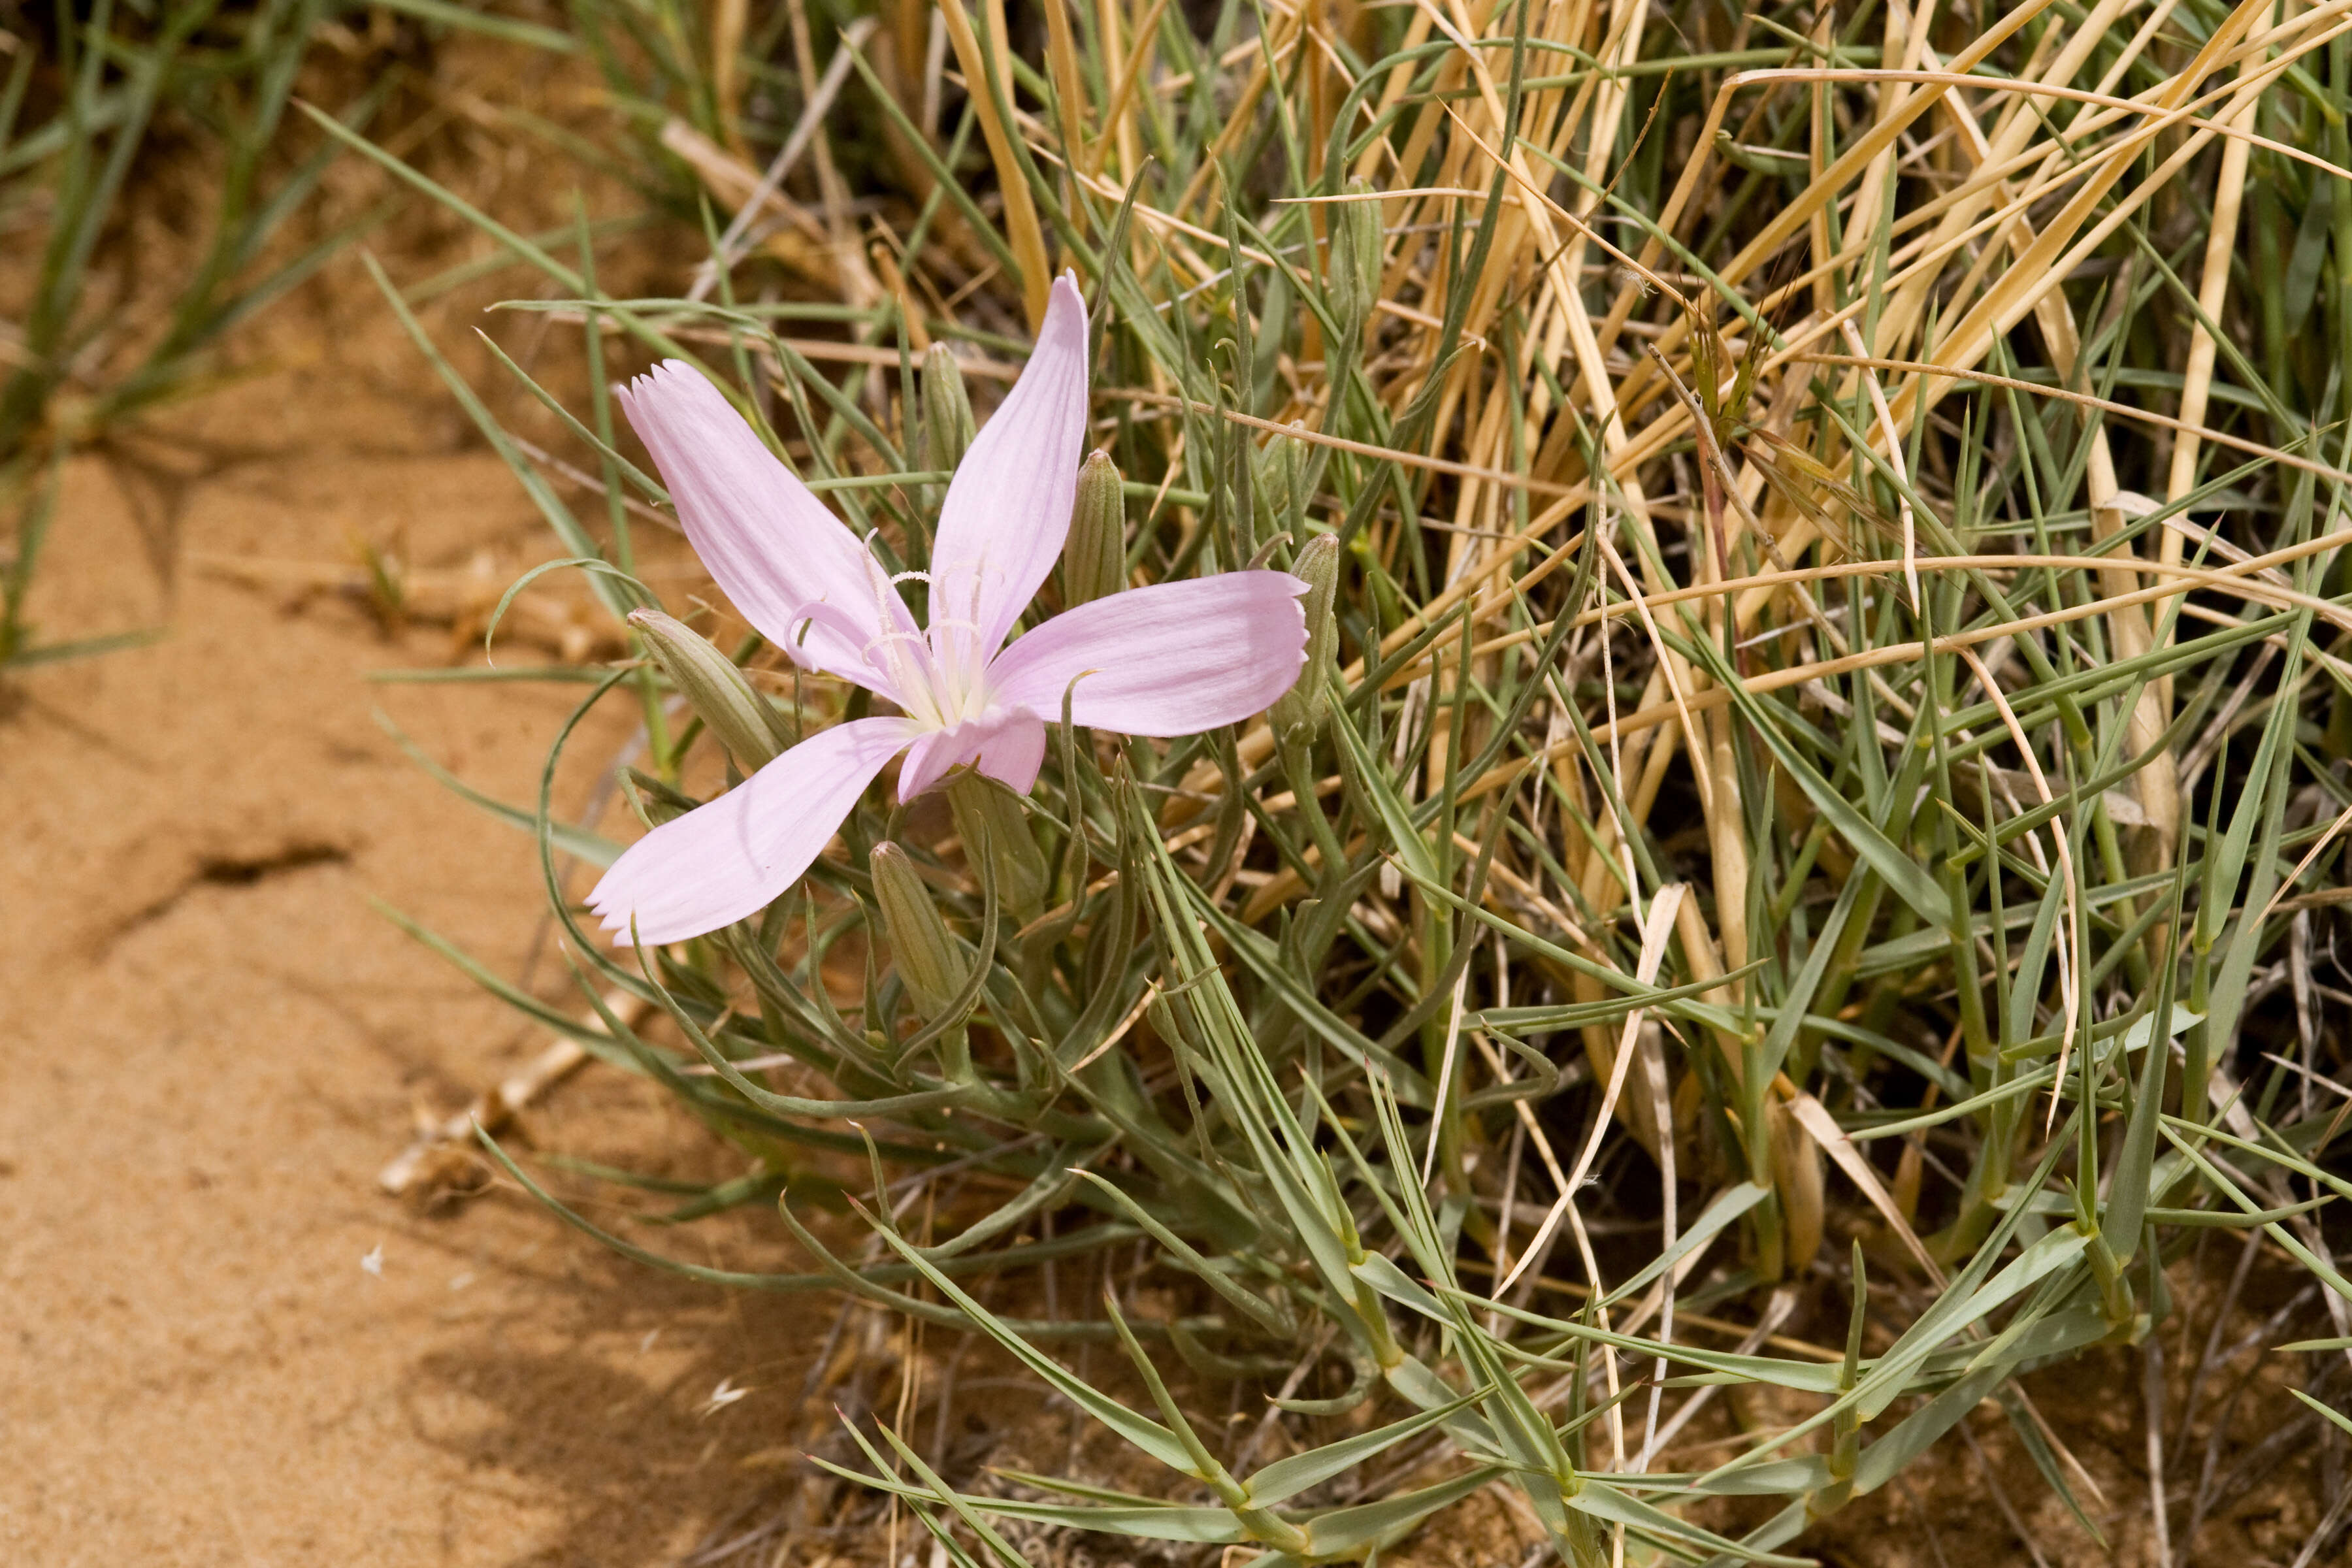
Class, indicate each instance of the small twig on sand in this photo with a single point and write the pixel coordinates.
(496, 1108)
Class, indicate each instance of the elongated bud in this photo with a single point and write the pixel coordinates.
(987, 813)
(1298, 712)
(1231, 478)
(1353, 280)
(1281, 486)
(921, 947)
(947, 412)
(746, 723)
(1093, 557)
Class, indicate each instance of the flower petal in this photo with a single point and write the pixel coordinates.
(1008, 508)
(1013, 752)
(1007, 745)
(769, 543)
(1173, 659)
(732, 857)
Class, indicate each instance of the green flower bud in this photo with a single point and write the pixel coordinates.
(947, 411)
(1298, 713)
(988, 814)
(746, 723)
(1353, 280)
(1093, 557)
(1231, 478)
(1282, 484)
(921, 947)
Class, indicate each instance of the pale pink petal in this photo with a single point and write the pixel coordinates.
(1008, 507)
(770, 545)
(927, 762)
(1173, 659)
(1013, 753)
(734, 856)
(1007, 745)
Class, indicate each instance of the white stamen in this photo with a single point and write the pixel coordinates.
(912, 682)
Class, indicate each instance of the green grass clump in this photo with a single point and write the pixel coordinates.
(96, 105)
(1829, 785)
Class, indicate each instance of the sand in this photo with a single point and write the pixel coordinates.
(210, 1041)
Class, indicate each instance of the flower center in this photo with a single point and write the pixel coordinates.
(960, 652)
(941, 682)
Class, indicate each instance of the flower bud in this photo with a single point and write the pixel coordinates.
(1233, 490)
(1093, 557)
(746, 723)
(990, 820)
(1282, 486)
(1298, 714)
(947, 411)
(924, 952)
(1353, 278)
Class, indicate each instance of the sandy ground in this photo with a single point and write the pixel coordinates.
(210, 1042)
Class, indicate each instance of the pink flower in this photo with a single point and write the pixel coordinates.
(1173, 659)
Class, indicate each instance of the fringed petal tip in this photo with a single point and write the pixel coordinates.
(666, 381)
(630, 902)
(616, 914)
(770, 544)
